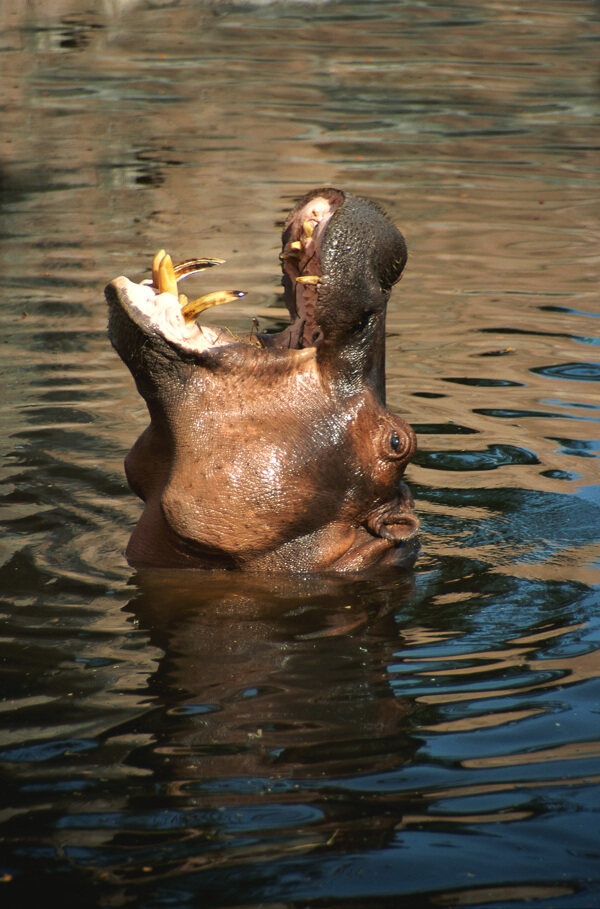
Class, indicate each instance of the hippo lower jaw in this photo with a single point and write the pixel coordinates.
(160, 313)
(272, 452)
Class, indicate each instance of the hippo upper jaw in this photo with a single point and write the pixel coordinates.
(340, 258)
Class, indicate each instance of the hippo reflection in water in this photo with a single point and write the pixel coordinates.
(276, 452)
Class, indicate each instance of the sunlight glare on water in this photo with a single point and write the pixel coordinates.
(430, 738)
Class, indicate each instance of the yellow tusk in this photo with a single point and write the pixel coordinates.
(295, 244)
(155, 264)
(308, 279)
(309, 228)
(183, 300)
(194, 266)
(167, 282)
(192, 309)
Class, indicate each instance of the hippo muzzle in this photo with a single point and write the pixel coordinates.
(273, 452)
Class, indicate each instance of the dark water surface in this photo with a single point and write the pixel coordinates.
(430, 739)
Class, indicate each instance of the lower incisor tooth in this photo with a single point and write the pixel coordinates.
(167, 282)
(156, 265)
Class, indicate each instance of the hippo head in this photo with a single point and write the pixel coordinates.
(273, 452)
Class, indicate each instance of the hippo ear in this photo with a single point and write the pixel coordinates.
(394, 521)
(392, 260)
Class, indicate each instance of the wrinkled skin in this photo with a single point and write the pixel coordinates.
(278, 455)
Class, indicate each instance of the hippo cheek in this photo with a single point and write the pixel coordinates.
(259, 484)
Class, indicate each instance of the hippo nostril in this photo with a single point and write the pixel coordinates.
(400, 529)
(396, 524)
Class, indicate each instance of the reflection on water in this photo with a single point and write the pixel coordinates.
(429, 737)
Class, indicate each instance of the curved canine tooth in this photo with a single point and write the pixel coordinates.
(155, 265)
(308, 279)
(192, 309)
(194, 266)
(309, 228)
(167, 282)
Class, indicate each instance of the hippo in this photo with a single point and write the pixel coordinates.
(273, 452)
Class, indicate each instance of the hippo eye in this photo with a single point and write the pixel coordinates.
(365, 321)
(395, 441)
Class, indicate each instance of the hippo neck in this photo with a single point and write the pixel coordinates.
(359, 364)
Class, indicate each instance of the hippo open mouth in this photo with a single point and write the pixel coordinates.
(157, 305)
(175, 316)
(272, 451)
